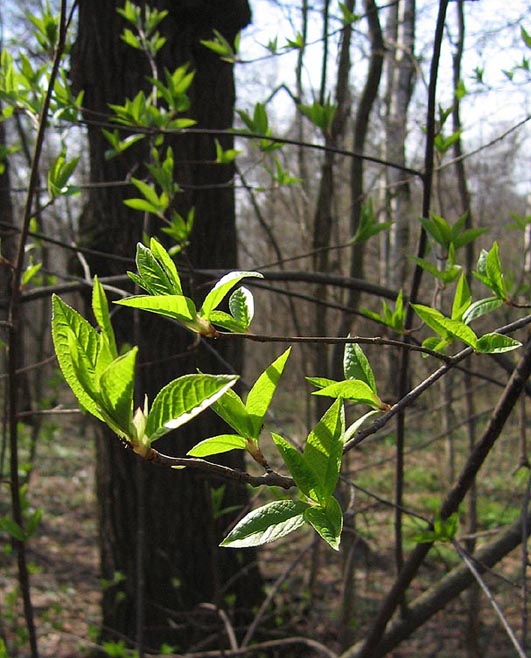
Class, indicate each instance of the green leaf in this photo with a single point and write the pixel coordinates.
(215, 445)
(142, 205)
(301, 472)
(177, 307)
(324, 449)
(156, 270)
(444, 530)
(462, 299)
(69, 326)
(327, 521)
(267, 524)
(496, 344)
(356, 365)
(116, 390)
(320, 382)
(494, 271)
(167, 264)
(352, 389)
(241, 306)
(489, 271)
(221, 289)
(261, 394)
(446, 327)
(355, 426)
(183, 399)
(231, 408)
(481, 307)
(100, 308)
(12, 528)
(227, 322)
(29, 273)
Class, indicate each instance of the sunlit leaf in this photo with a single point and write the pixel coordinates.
(267, 524)
(183, 399)
(221, 289)
(301, 472)
(327, 521)
(216, 445)
(261, 394)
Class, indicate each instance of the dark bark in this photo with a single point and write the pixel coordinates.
(160, 515)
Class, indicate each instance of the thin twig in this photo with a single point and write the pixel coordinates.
(511, 634)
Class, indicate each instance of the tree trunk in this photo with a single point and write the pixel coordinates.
(159, 541)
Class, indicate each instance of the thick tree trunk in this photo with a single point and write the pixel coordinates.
(162, 519)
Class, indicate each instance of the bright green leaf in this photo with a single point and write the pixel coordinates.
(227, 322)
(215, 445)
(352, 389)
(232, 410)
(69, 326)
(183, 399)
(267, 524)
(327, 521)
(324, 449)
(241, 306)
(116, 390)
(221, 289)
(301, 472)
(496, 344)
(355, 426)
(100, 308)
(462, 299)
(356, 365)
(261, 394)
(177, 307)
(320, 382)
(481, 307)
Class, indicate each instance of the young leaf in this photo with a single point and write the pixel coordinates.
(446, 327)
(215, 445)
(489, 271)
(481, 307)
(183, 399)
(227, 322)
(304, 477)
(68, 327)
(327, 521)
(100, 309)
(320, 382)
(168, 266)
(352, 389)
(266, 524)
(324, 449)
(261, 394)
(231, 408)
(221, 289)
(116, 390)
(176, 307)
(356, 365)
(157, 278)
(496, 344)
(352, 429)
(462, 299)
(241, 306)
(29, 273)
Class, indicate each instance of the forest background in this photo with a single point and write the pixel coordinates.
(378, 160)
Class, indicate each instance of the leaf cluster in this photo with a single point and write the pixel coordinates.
(158, 276)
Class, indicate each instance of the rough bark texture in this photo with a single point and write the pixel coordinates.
(163, 516)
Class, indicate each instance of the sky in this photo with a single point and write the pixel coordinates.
(493, 45)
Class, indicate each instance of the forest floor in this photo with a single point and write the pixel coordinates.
(66, 586)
